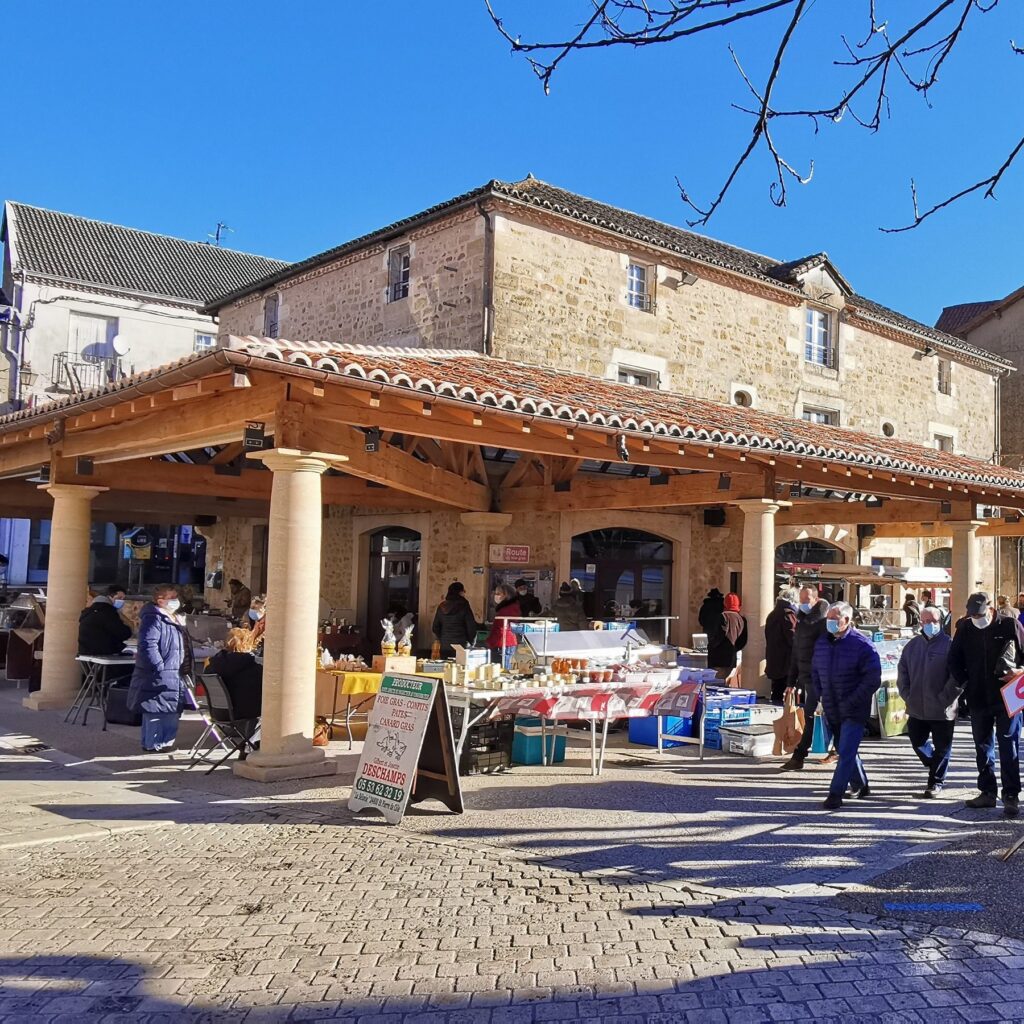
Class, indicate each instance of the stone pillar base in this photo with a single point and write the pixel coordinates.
(278, 767)
(40, 701)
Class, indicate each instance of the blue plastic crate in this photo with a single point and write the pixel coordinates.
(644, 731)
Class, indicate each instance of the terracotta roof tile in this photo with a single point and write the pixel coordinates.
(543, 391)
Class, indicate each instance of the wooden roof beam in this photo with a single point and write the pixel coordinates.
(843, 513)
(392, 467)
(612, 492)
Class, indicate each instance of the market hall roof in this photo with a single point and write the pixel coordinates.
(66, 247)
(537, 394)
(539, 195)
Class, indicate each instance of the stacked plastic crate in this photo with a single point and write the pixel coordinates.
(725, 707)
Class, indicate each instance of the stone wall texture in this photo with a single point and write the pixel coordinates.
(347, 301)
(559, 298)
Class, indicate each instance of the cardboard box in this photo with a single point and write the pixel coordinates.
(403, 664)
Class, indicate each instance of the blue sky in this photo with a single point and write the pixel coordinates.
(306, 125)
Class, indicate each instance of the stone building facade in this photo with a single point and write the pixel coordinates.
(531, 273)
(997, 326)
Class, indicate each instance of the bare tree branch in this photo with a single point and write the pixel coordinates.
(915, 55)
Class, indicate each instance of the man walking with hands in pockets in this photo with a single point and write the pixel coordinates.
(931, 695)
(846, 671)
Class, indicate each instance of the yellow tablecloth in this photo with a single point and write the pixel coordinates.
(343, 684)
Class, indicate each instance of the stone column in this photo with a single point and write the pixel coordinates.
(965, 565)
(293, 598)
(758, 596)
(66, 594)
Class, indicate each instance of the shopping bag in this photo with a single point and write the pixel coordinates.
(789, 726)
(892, 712)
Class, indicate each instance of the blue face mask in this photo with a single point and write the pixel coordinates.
(118, 603)
(253, 614)
(805, 607)
(832, 625)
(930, 629)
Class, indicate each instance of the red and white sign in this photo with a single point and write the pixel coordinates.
(510, 554)
(1013, 694)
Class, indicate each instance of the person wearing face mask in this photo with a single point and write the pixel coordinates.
(810, 626)
(931, 695)
(163, 660)
(779, 630)
(101, 630)
(501, 640)
(984, 650)
(846, 671)
(257, 621)
(528, 604)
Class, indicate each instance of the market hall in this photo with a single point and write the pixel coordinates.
(483, 450)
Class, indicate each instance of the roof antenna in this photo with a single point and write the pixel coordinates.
(219, 232)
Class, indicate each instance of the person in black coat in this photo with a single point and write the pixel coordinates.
(779, 627)
(102, 631)
(711, 610)
(984, 651)
(529, 605)
(727, 637)
(810, 625)
(454, 621)
(242, 676)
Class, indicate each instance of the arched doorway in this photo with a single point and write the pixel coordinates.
(394, 579)
(939, 558)
(808, 551)
(623, 572)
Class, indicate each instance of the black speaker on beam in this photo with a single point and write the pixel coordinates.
(714, 517)
(866, 530)
(204, 520)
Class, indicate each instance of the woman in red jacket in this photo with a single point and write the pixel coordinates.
(501, 640)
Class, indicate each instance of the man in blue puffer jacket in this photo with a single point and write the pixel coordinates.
(846, 671)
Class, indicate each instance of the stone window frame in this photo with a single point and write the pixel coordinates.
(653, 376)
(272, 315)
(831, 318)
(399, 268)
(821, 410)
(736, 387)
(645, 301)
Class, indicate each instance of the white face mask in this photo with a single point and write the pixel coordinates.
(173, 605)
(981, 621)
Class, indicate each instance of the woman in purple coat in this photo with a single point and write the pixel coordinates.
(163, 660)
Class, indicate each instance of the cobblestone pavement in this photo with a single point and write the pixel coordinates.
(194, 898)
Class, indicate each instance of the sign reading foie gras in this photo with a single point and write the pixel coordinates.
(406, 711)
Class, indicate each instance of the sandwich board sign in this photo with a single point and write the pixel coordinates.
(409, 751)
(1013, 694)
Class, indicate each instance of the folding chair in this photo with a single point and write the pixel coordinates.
(222, 715)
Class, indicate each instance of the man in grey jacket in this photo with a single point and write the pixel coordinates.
(931, 694)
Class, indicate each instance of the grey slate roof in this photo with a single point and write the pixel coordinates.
(541, 195)
(76, 249)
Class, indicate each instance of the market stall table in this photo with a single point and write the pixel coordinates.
(92, 694)
(358, 690)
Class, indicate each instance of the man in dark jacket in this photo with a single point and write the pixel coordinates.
(529, 605)
(931, 696)
(711, 610)
(569, 610)
(846, 671)
(810, 625)
(984, 650)
(454, 621)
(101, 630)
(779, 628)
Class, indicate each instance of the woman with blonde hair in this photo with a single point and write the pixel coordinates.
(242, 676)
